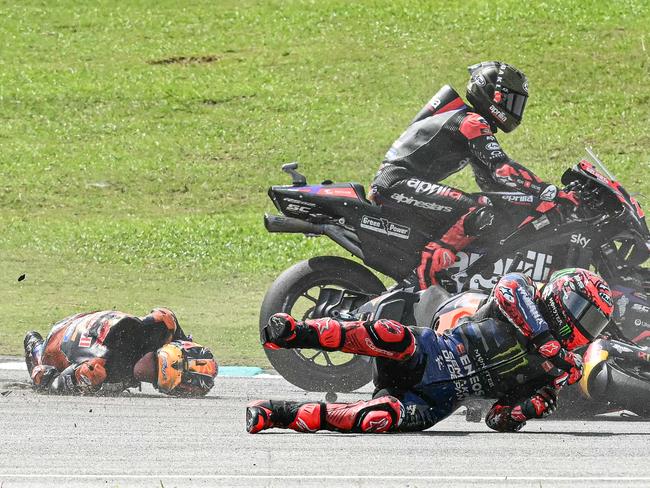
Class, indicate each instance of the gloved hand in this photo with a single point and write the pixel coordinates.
(542, 404)
(43, 375)
(498, 418)
(571, 365)
(434, 259)
(565, 366)
(568, 198)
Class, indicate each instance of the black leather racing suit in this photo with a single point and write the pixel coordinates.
(442, 139)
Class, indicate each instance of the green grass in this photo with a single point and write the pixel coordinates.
(137, 139)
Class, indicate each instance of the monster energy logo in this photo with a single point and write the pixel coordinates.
(516, 355)
(565, 330)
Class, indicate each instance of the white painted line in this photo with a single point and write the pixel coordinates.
(14, 365)
(322, 477)
(21, 366)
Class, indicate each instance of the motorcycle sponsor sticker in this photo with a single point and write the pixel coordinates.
(498, 113)
(622, 304)
(541, 222)
(433, 188)
(299, 202)
(641, 323)
(549, 193)
(536, 264)
(85, 341)
(338, 192)
(401, 198)
(386, 227)
(298, 206)
(640, 308)
(517, 197)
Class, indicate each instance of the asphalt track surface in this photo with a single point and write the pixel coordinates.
(145, 439)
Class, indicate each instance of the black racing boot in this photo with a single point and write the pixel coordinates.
(278, 331)
(32, 340)
(282, 331)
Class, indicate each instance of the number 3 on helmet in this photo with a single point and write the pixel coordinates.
(185, 369)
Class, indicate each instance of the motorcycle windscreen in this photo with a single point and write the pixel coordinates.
(588, 319)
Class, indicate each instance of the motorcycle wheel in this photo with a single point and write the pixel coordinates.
(310, 369)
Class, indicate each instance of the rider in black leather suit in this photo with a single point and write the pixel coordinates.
(445, 136)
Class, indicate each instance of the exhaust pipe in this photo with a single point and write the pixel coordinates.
(344, 238)
(280, 223)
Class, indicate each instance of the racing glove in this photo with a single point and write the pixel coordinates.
(542, 404)
(569, 198)
(498, 418)
(505, 418)
(565, 366)
(434, 259)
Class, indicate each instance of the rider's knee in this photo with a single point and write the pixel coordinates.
(377, 415)
(392, 336)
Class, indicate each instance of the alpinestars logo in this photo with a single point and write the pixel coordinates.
(383, 226)
(401, 198)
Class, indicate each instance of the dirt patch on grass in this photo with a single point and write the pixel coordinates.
(187, 60)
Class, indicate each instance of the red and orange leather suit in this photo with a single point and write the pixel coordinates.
(84, 351)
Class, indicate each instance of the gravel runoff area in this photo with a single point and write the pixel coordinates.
(145, 439)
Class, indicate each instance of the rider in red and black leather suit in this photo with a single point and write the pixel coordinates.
(517, 349)
(445, 136)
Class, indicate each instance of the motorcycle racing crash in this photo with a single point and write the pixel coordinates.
(418, 232)
(110, 351)
(516, 348)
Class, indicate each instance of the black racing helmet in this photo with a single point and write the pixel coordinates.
(498, 92)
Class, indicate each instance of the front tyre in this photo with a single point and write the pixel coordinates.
(295, 292)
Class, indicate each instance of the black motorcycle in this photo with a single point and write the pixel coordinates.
(607, 232)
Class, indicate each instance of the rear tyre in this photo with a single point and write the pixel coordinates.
(293, 292)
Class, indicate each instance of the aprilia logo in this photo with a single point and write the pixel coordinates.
(498, 113)
(431, 188)
(518, 198)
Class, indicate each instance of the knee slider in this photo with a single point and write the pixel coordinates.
(376, 422)
(381, 414)
(478, 220)
(392, 336)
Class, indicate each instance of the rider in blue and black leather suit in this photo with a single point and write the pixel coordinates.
(516, 349)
